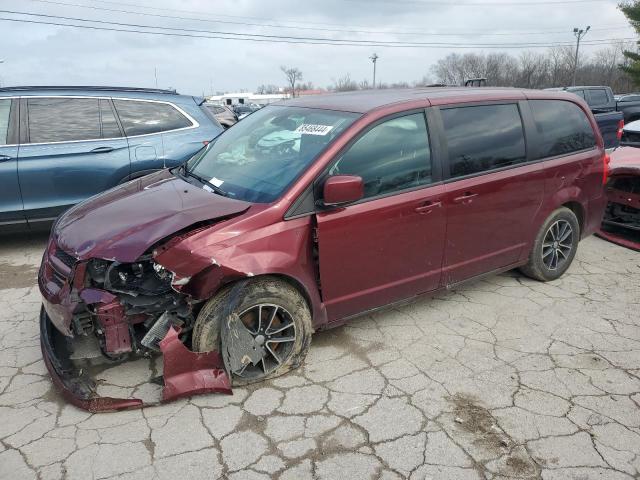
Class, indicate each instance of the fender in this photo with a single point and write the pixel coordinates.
(200, 269)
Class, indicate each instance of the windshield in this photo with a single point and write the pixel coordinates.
(261, 156)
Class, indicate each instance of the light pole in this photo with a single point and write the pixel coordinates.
(579, 34)
(374, 59)
(1, 61)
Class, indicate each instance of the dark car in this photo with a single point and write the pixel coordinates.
(309, 213)
(629, 105)
(244, 109)
(224, 115)
(61, 145)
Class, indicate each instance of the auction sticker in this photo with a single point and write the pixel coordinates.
(310, 129)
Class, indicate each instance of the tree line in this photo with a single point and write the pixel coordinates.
(528, 69)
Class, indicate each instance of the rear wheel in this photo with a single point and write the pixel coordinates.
(277, 318)
(555, 246)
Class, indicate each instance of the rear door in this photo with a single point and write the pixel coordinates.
(71, 148)
(145, 123)
(566, 141)
(389, 245)
(10, 200)
(493, 188)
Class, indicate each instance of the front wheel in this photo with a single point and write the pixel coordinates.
(275, 316)
(555, 246)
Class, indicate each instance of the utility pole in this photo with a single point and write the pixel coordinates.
(1, 61)
(155, 73)
(579, 34)
(374, 59)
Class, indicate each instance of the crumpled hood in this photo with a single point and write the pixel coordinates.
(122, 223)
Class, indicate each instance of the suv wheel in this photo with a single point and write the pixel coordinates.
(554, 247)
(274, 313)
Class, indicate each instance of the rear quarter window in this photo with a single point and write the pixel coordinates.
(5, 108)
(142, 118)
(562, 128)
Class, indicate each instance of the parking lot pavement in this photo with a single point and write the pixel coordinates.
(502, 378)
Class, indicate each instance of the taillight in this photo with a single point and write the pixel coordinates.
(620, 129)
(205, 142)
(606, 159)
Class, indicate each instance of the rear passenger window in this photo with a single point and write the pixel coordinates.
(597, 97)
(63, 119)
(390, 157)
(141, 118)
(562, 126)
(483, 138)
(5, 108)
(110, 127)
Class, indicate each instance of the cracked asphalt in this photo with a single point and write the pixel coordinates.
(503, 378)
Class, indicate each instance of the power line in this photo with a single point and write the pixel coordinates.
(323, 40)
(280, 25)
(283, 39)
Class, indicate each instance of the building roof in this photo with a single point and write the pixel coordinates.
(362, 101)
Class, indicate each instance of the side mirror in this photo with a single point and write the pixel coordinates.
(341, 189)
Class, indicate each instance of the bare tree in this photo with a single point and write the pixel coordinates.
(267, 89)
(293, 75)
(344, 84)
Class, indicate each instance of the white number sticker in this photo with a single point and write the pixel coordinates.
(309, 129)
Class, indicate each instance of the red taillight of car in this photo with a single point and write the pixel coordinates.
(620, 129)
(606, 159)
(205, 142)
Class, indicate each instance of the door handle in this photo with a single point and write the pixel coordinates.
(4, 158)
(466, 198)
(428, 206)
(102, 150)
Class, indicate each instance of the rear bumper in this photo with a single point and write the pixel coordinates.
(76, 387)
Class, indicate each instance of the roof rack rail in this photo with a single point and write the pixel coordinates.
(90, 88)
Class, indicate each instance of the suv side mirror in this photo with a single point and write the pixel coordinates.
(341, 189)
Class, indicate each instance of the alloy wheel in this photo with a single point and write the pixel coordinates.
(557, 245)
(272, 327)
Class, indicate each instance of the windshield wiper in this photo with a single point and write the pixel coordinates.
(188, 173)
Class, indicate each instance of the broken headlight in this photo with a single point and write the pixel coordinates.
(144, 277)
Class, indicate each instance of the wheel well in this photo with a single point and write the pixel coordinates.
(284, 278)
(578, 211)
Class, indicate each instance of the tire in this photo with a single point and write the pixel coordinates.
(540, 265)
(269, 292)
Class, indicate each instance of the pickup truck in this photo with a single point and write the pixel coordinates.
(605, 108)
(629, 105)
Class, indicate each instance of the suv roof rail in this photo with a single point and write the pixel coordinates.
(85, 87)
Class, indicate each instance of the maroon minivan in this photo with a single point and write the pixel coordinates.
(308, 213)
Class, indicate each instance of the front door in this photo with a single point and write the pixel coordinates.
(388, 246)
(73, 148)
(11, 213)
(493, 190)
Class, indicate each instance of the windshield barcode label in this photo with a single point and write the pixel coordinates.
(309, 129)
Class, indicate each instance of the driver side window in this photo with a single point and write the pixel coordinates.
(391, 157)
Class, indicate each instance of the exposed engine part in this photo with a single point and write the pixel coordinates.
(114, 329)
(158, 304)
(158, 331)
(83, 324)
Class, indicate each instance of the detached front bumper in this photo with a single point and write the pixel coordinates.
(76, 387)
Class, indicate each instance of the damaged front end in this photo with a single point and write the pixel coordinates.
(621, 222)
(127, 311)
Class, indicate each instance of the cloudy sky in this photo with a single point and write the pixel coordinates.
(37, 52)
